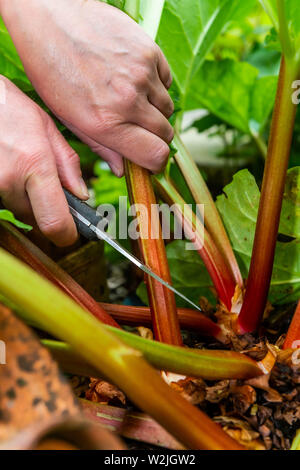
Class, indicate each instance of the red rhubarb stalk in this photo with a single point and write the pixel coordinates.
(18, 245)
(194, 230)
(129, 424)
(292, 340)
(152, 248)
(141, 316)
(271, 201)
(201, 195)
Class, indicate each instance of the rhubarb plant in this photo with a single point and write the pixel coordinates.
(285, 22)
(122, 364)
(248, 109)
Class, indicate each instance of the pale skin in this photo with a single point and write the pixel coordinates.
(104, 78)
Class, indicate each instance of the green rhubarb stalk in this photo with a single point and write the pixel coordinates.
(279, 148)
(206, 364)
(296, 442)
(201, 195)
(194, 230)
(62, 317)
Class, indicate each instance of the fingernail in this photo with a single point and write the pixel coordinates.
(117, 170)
(83, 189)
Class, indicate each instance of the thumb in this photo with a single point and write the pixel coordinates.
(67, 163)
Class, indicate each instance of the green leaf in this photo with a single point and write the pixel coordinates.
(188, 30)
(233, 92)
(108, 189)
(239, 209)
(9, 217)
(287, 23)
(290, 216)
(10, 62)
(188, 273)
(270, 7)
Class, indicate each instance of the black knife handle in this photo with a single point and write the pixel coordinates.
(87, 212)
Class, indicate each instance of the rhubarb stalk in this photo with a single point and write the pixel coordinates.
(292, 340)
(189, 319)
(162, 301)
(205, 364)
(62, 317)
(262, 260)
(17, 244)
(194, 230)
(201, 195)
(129, 424)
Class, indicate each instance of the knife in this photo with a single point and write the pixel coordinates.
(87, 221)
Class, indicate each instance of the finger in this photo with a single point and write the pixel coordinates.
(132, 142)
(50, 207)
(114, 159)
(67, 162)
(164, 70)
(160, 98)
(137, 145)
(151, 119)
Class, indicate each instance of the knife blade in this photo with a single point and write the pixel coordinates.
(87, 219)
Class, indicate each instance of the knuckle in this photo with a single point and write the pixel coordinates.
(169, 108)
(150, 54)
(7, 179)
(129, 97)
(36, 164)
(103, 121)
(53, 227)
(171, 133)
(141, 76)
(72, 158)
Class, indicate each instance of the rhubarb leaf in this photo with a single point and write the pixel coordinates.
(233, 92)
(188, 31)
(239, 208)
(9, 217)
(292, 19)
(10, 62)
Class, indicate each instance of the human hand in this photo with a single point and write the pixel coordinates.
(35, 162)
(99, 73)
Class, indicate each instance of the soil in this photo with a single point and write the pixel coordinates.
(261, 413)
